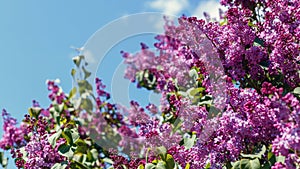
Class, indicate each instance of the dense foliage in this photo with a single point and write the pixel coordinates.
(230, 99)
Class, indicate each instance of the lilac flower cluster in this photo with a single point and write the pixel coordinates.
(41, 154)
(120, 162)
(229, 92)
(281, 32)
(258, 45)
(250, 119)
(29, 143)
(32, 136)
(13, 135)
(278, 28)
(56, 93)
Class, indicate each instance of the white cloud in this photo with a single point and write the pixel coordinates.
(175, 7)
(209, 6)
(169, 7)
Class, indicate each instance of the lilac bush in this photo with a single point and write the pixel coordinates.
(229, 89)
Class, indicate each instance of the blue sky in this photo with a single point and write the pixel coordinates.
(36, 39)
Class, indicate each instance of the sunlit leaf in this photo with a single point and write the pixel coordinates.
(189, 141)
(87, 74)
(170, 161)
(53, 138)
(65, 150)
(257, 155)
(247, 164)
(150, 166)
(72, 92)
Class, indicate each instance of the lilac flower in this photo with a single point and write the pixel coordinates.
(13, 136)
(41, 154)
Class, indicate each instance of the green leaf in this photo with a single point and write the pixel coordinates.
(150, 166)
(189, 141)
(267, 165)
(74, 134)
(207, 166)
(87, 74)
(108, 160)
(247, 164)
(195, 91)
(73, 72)
(141, 166)
(296, 90)
(251, 24)
(168, 117)
(34, 112)
(193, 73)
(72, 92)
(77, 60)
(83, 159)
(4, 161)
(94, 153)
(176, 125)
(68, 137)
(224, 22)
(207, 102)
(258, 42)
(53, 138)
(170, 162)
(84, 86)
(71, 135)
(82, 147)
(155, 161)
(146, 79)
(78, 165)
(77, 156)
(55, 114)
(258, 155)
(65, 150)
(89, 156)
(87, 104)
(58, 107)
(271, 157)
(183, 93)
(280, 159)
(187, 166)
(161, 165)
(162, 151)
(59, 166)
(253, 164)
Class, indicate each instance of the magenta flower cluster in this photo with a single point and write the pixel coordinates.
(258, 46)
(230, 92)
